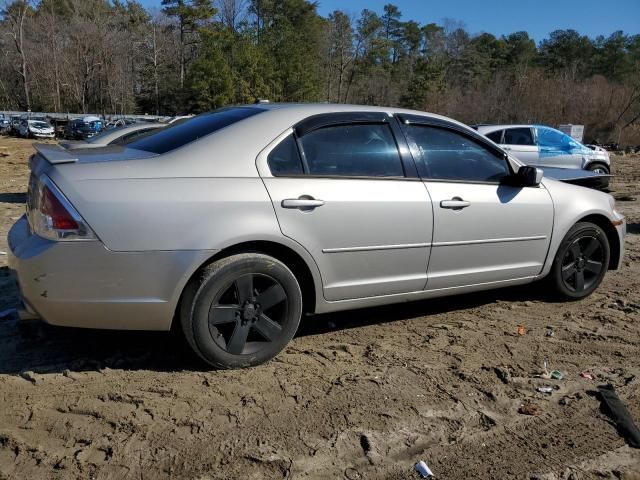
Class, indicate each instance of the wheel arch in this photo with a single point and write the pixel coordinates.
(612, 236)
(593, 163)
(287, 255)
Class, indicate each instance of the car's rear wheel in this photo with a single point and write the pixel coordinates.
(243, 311)
(598, 168)
(581, 262)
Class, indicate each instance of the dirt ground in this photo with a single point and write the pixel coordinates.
(356, 395)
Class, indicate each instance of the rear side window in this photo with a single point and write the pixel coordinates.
(518, 136)
(177, 135)
(496, 136)
(358, 150)
(449, 155)
(285, 158)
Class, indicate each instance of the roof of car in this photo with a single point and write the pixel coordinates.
(489, 127)
(317, 108)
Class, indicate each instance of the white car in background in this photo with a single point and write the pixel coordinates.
(36, 129)
(543, 146)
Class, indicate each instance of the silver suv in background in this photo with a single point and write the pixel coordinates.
(539, 145)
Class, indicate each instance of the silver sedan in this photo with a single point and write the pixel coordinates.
(236, 222)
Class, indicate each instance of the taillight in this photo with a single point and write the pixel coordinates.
(58, 215)
(51, 215)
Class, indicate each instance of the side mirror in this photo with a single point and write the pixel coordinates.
(529, 176)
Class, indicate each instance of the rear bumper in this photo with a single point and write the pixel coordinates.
(83, 284)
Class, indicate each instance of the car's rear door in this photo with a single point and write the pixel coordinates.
(343, 188)
(519, 142)
(484, 231)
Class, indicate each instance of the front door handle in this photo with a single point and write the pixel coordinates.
(305, 202)
(456, 203)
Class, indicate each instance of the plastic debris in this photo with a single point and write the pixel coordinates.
(617, 411)
(547, 390)
(423, 469)
(586, 375)
(550, 332)
(7, 312)
(557, 375)
(521, 330)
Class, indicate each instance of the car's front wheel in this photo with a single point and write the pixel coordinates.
(600, 168)
(581, 262)
(242, 311)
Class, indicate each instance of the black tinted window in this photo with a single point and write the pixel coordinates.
(495, 136)
(285, 158)
(353, 150)
(448, 155)
(130, 137)
(518, 136)
(174, 136)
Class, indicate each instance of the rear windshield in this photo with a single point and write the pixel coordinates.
(178, 134)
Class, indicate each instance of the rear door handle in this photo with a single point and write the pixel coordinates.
(305, 202)
(456, 203)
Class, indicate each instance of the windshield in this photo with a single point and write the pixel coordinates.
(40, 124)
(178, 134)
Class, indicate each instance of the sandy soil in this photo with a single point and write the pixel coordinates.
(357, 395)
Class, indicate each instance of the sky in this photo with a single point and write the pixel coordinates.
(537, 17)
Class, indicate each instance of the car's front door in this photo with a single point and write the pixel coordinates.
(484, 230)
(343, 192)
(520, 143)
(558, 149)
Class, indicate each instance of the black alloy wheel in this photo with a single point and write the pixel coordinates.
(581, 262)
(242, 310)
(248, 313)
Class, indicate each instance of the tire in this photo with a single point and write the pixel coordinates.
(599, 168)
(242, 311)
(580, 262)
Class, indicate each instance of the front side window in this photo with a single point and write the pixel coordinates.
(449, 155)
(548, 137)
(285, 159)
(357, 150)
(518, 136)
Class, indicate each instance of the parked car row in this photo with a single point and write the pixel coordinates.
(69, 129)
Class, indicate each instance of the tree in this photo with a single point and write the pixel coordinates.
(567, 51)
(341, 51)
(210, 78)
(17, 14)
(189, 15)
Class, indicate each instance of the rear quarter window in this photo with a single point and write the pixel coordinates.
(179, 134)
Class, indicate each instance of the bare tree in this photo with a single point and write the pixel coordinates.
(16, 13)
(231, 12)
